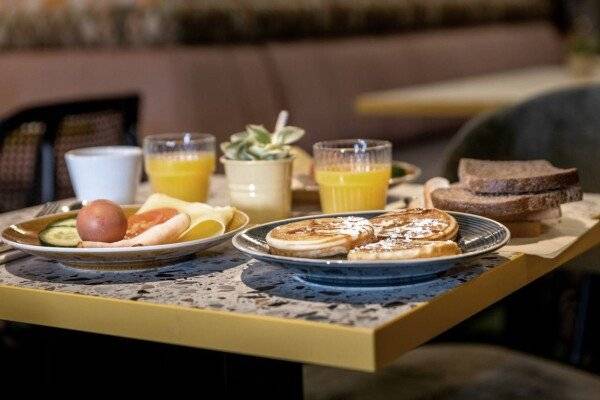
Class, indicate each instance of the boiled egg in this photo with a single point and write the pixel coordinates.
(102, 221)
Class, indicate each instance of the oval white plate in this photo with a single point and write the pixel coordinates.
(23, 236)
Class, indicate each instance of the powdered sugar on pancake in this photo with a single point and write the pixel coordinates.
(417, 228)
(399, 249)
(313, 234)
(319, 227)
(414, 224)
(391, 244)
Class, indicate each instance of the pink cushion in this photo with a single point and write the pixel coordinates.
(321, 79)
(219, 89)
(209, 89)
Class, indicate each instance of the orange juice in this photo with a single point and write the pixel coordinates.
(184, 175)
(342, 189)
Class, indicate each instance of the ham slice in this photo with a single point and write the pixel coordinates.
(167, 232)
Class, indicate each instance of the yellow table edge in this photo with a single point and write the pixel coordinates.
(400, 335)
(304, 341)
(376, 105)
(282, 338)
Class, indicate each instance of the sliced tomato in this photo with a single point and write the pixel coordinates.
(138, 223)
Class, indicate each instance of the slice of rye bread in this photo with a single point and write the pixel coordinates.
(457, 198)
(534, 216)
(524, 229)
(514, 177)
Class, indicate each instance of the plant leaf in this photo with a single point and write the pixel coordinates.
(231, 150)
(258, 150)
(288, 135)
(231, 154)
(244, 154)
(257, 143)
(260, 133)
(239, 136)
(224, 146)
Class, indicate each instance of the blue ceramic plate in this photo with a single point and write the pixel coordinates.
(476, 236)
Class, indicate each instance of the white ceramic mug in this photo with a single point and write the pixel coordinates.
(108, 172)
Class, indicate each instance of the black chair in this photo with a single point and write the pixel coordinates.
(564, 128)
(33, 142)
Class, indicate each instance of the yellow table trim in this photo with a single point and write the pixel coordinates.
(425, 322)
(305, 341)
(468, 96)
(377, 106)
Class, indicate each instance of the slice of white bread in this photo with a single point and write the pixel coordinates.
(514, 177)
(400, 249)
(416, 223)
(458, 198)
(432, 184)
(320, 237)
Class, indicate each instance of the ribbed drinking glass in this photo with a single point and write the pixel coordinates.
(180, 164)
(353, 174)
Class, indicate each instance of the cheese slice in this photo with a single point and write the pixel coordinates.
(206, 221)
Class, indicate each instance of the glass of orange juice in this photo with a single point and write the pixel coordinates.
(353, 174)
(180, 164)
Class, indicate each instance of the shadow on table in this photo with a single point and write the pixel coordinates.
(207, 262)
(278, 281)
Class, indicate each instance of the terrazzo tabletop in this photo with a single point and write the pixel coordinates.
(225, 280)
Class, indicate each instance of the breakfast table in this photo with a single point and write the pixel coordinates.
(467, 97)
(228, 303)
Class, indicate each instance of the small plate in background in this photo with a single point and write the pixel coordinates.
(411, 173)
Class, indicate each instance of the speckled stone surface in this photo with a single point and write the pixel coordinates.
(224, 279)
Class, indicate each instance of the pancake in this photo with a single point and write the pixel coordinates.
(320, 237)
(402, 249)
(416, 224)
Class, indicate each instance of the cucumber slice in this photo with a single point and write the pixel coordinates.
(59, 236)
(72, 222)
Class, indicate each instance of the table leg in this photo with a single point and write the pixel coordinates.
(256, 377)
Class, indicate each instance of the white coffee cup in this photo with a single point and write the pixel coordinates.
(108, 172)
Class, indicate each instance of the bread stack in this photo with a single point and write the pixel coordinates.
(520, 194)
